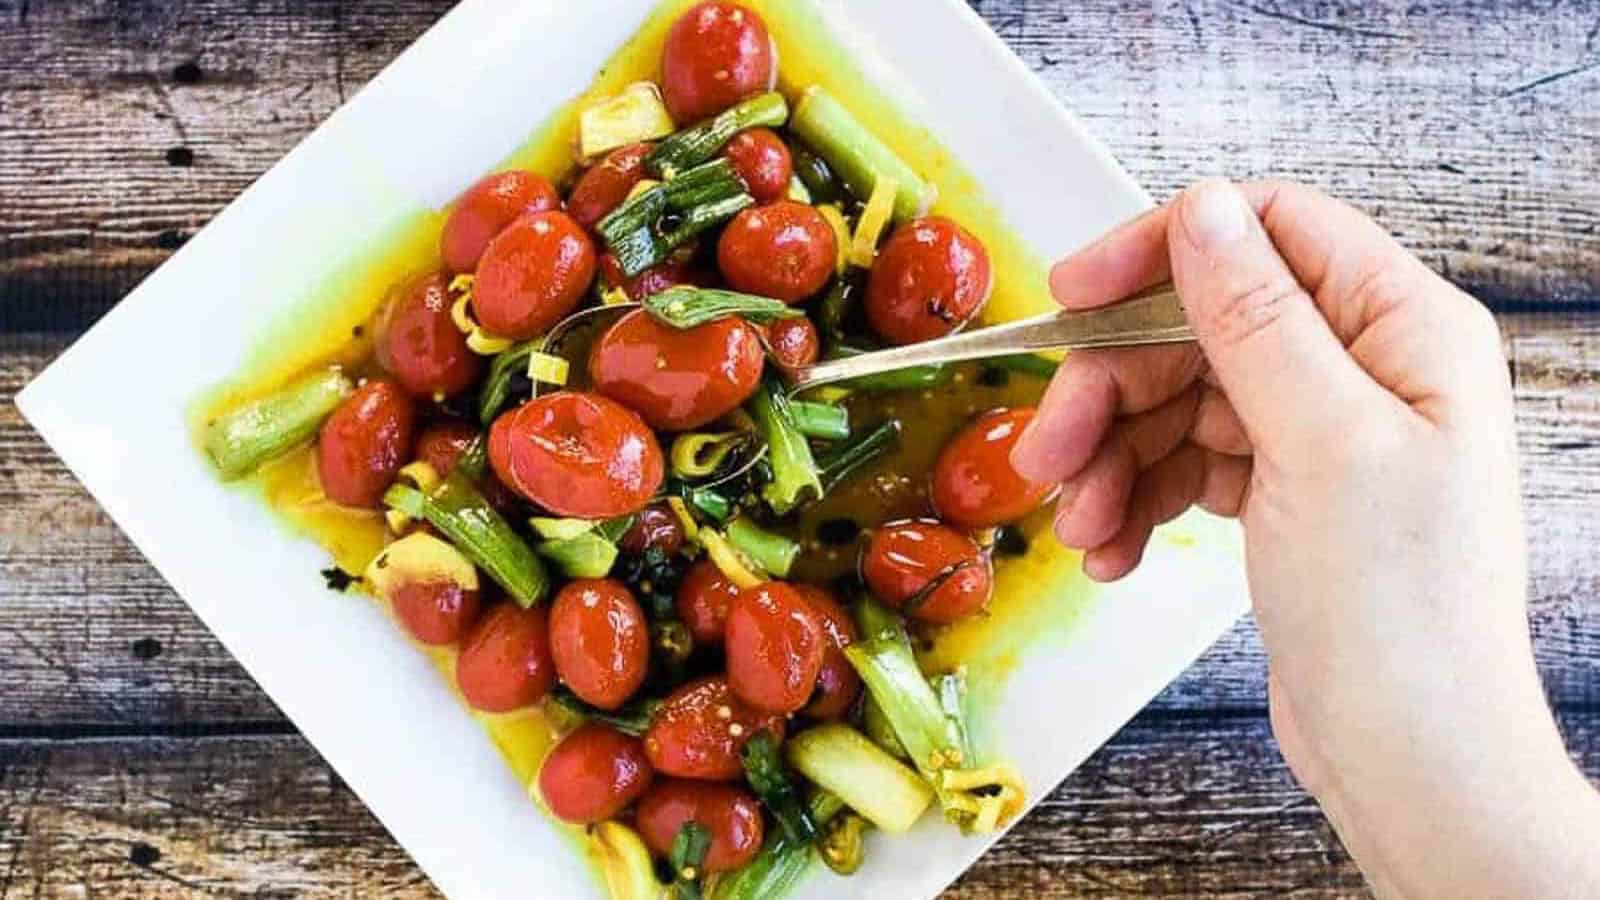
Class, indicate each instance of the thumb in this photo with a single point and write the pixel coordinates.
(1287, 375)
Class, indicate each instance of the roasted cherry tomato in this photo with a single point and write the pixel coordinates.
(716, 55)
(929, 571)
(652, 281)
(794, 342)
(593, 774)
(434, 591)
(505, 663)
(435, 612)
(974, 485)
(485, 209)
(774, 645)
(577, 454)
(419, 344)
(704, 597)
(365, 442)
(441, 446)
(730, 814)
(700, 729)
(837, 681)
(600, 641)
(532, 275)
(762, 159)
(930, 278)
(606, 184)
(655, 528)
(785, 250)
(677, 379)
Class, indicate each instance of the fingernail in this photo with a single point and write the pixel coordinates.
(1216, 215)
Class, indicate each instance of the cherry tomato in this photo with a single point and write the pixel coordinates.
(794, 342)
(505, 663)
(419, 344)
(704, 597)
(485, 209)
(677, 379)
(716, 55)
(974, 485)
(593, 774)
(652, 281)
(441, 446)
(365, 442)
(532, 275)
(931, 277)
(730, 814)
(605, 185)
(785, 250)
(775, 645)
(435, 612)
(700, 729)
(577, 454)
(837, 681)
(600, 641)
(903, 560)
(655, 528)
(762, 159)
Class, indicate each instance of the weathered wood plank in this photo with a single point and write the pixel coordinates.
(91, 635)
(129, 124)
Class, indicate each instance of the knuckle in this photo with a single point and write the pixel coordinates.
(1253, 308)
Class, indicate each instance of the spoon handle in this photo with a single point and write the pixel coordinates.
(1154, 317)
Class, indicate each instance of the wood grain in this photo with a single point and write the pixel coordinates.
(95, 637)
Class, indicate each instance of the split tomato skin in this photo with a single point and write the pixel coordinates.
(366, 441)
(577, 454)
(784, 250)
(974, 484)
(775, 646)
(600, 641)
(604, 186)
(700, 729)
(505, 662)
(487, 207)
(716, 55)
(763, 161)
(419, 344)
(903, 560)
(931, 277)
(730, 814)
(532, 275)
(593, 774)
(677, 379)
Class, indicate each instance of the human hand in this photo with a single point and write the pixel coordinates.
(1353, 410)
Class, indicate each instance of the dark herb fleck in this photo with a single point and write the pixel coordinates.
(340, 580)
(1010, 541)
(993, 376)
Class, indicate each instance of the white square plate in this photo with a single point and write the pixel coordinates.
(113, 406)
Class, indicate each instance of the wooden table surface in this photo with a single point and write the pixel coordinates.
(138, 759)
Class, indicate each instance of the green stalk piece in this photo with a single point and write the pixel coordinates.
(823, 421)
(795, 477)
(764, 769)
(688, 856)
(839, 463)
(839, 759)
(586, 555)
(690, 307)
(633, 719)
(856, 155)
(459, 511)
(239, 442)
(497, 385)
(698, 143)
(716, 180)
(815, 173)
(772, 552)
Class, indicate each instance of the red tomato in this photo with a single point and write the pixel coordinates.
(677, 379)
(731, 815)
(716, 55)
(651, 281)
(903, 560)
(704, 597)
(532, 275)
(577, 454)
(604, 187)
(775, 645)
(931, 277)
(762, 159)
(794, 342)
(418, 342)
(974, 485)
(655, 528)
(837, 681)
(505, 662)
(441, 446)
(435, 612)
(600, 641)
(365, 442)
(593, 774)
(785, 250)
(700, 729)
(485, 209)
